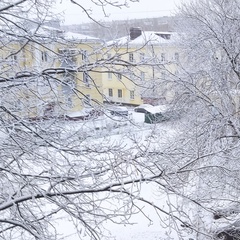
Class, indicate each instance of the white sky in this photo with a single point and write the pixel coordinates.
(141, 9)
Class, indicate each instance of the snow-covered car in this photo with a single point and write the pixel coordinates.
(157, 114)
(153, 114)
(142, 108)
(84, 114)
(118, 111)
(228, 221)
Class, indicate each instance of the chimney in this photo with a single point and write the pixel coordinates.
(135, 32)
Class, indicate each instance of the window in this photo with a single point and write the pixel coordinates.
(142, 76)
(131, 94)
(67, 90)
(132, 76)
(110, 92)
(109, 75)
(68, 58)
(119, 76)
(44, 56)
(163, 57)
(84, 55)
(13, 57)
(130, 57)
(69, 79)
(69, 102)
(118, 56)
(119, 93)
(86, 78)
(176, 57)
(142, 56)
(68, 52)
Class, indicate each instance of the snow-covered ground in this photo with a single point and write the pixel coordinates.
(145, 225)
(148, 225)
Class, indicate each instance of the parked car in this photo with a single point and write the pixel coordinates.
(84, 114)
(157, 114)
(143, 108)
(118, 111)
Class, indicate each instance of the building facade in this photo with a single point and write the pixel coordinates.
(53, 75)
(142, 67)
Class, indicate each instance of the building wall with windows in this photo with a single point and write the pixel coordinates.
(79, 72)
(148, 62)
(81, 84)
(15, 62)
(118, 86)
(53, 78)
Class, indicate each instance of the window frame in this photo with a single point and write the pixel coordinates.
(119, 76)
(110, 92)
(44, 56)
(86, 78)
(142, 76)
(110, 75)
(132, 94)
(142, 56)
(120, 93)
(84, 55)
(176, 56)
(131, 57)
(163, 57)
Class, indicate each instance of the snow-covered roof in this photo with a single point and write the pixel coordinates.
(78, 36)
(46, 31)
(147, 38)
(153, 109)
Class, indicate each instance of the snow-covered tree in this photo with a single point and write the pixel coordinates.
(207, 150)
(54, 172)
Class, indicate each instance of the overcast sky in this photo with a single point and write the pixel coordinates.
(142, 9)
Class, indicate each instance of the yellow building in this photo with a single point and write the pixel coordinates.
(58, 73)
(141, 67)
(53, 75)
